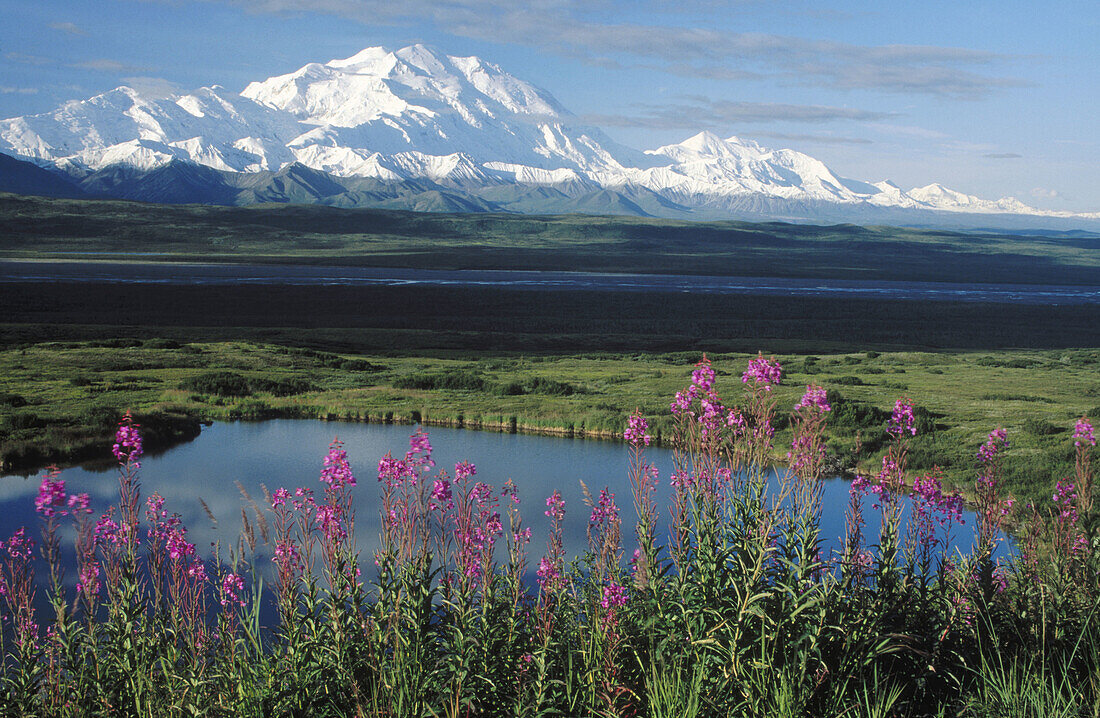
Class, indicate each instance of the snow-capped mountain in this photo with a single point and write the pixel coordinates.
(384, 127)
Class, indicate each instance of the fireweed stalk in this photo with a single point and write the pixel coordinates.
(643, 485)
(1083, 441)
(991, 509)
(934, 514)
(888, 485)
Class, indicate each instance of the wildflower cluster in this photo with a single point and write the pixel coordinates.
(743, 584)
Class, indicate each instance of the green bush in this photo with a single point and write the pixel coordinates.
(221, 383)
(13, 400)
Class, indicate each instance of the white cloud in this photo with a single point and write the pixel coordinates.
(565, 27)
(702, 112)
(68, 27)
(105, 65)
(4, 90)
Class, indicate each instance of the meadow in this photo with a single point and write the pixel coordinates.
(60, 401)
(739, 613)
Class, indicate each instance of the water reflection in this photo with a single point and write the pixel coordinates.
(229, 457)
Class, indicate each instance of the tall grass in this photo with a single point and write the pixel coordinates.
(737, 611)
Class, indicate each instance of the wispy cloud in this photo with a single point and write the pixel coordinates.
(105, 65)
(702, 112)
(566, 28)
(1002, 156)
(814, 139)
(26, 59)
(4, 90)
(68, 27)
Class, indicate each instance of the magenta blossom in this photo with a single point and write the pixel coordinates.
(127, 447)
(555, 506)
(51, 500)
(995, 444)
(761, 371)
(902, 420)
(232, 587)
(815, 399)
(89, 583)
(614, 596)
(635, 433)
(1082, 433)
(337, 472)
(605, 509)
(703, 375)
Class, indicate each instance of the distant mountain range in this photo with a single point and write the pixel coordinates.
(417, 129)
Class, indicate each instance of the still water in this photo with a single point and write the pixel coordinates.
(289, 453)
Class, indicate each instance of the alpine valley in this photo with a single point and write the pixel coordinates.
(417, 129)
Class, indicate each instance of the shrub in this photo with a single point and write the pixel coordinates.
(13, 400)
(218, 383)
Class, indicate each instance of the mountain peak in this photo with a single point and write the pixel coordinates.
(366, 56)
(418, 115)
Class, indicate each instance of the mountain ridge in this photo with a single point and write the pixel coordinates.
(483, 136)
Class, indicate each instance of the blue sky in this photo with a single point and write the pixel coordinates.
(991, 98)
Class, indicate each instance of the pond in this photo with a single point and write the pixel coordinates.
(289, 453)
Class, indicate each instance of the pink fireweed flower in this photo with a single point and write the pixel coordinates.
(703, 375)
(815, 399)
(735, 420)
(20, 546)
(89, 583)
(441, 498)
(330, 521)
(419, 455)
(232, 587)
(509, 489)
(304, 501)
(106, 530)
(682, 403)
(614, 596)
(902, 420)
(197, 571)
(1082, 433)
(127, 447)
(463, 471)
(763, 372)
(712, 418)
(280, 498)
(337, 472)
(555, 506)
(547, 574)
(805, 452)
(928, 493)
(78, 504)
(51, 500)
(682, 479)
(635, 433)
(288, 558)
(605, 508)
(177, 544)
(995, 444)
(1064, 497)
